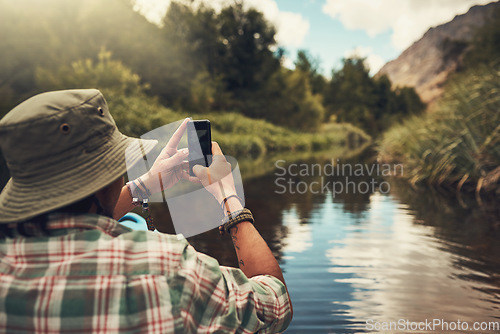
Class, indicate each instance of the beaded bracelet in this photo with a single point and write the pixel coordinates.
(234, 219)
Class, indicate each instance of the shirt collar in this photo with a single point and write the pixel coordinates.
(63, 223)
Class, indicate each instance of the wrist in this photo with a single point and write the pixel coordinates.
(220, 195)
(232, 204)
(136, 191)
(231, 220)
(152, 184)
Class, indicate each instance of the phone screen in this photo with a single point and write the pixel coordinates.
(199, 144)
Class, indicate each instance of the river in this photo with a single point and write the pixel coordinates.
(356, 262)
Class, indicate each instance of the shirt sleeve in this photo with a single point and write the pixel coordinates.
(222, 299)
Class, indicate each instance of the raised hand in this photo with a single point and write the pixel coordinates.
(170, 166)
(217, 178)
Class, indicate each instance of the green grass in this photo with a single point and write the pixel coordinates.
(239, 136)
(253, 142)
(457, 143)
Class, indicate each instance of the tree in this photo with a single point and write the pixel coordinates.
(246, 59)
(191, 35)
(287, 100)
(52, 33)
(105, 74)
(229, 51)
(134, 111)
(311, 66)
(353, 96)
(349, 95)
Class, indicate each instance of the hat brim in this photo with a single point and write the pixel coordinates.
(20, 201)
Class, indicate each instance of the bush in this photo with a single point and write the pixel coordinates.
(241, 135)
(136, 113)
(458, 142)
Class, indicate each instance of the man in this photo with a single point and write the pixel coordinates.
(68, 266)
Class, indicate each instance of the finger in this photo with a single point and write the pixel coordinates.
(217, 152)
(185, 175)
(176, 137)
(178, 157)
(216, 148)
(200, 171)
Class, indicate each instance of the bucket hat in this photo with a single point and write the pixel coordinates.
(61, 147)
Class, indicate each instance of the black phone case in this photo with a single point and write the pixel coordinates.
(196, 157)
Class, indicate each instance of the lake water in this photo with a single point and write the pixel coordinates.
(406, 256)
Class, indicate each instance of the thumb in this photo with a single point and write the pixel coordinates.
(200, 172)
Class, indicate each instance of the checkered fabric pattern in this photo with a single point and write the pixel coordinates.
(92, 275)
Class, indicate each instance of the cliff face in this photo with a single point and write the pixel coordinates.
(426, 64)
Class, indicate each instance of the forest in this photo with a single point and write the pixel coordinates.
(226, 66)
(198, 61)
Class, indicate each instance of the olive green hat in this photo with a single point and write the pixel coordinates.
(61, 147)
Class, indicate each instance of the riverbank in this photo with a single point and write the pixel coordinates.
(251, 140)
(457, 143)
(238, 135)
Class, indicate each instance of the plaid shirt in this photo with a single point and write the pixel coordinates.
(93, 275)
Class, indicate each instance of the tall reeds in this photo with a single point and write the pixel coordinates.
(457, 142)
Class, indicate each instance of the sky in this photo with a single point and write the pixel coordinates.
(331, 30)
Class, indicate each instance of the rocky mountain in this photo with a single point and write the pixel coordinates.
(426, 64)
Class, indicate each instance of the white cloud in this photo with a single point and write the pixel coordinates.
(373, 61)
(408, 20)
(291, 28)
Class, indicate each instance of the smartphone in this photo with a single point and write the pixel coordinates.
(199, 144)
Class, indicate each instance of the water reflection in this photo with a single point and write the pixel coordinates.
(400, 270)
(408, 255)
(348, 257)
